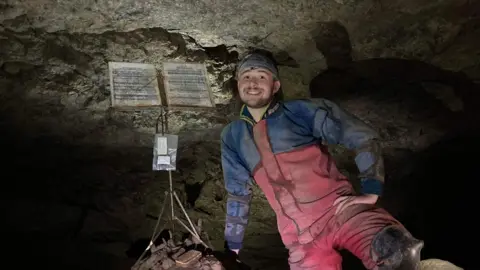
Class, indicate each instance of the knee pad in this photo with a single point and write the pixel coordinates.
(394, 248)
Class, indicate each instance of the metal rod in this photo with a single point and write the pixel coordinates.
(160, 120)
(150, 245)
(154, 236)
(185, 213)
(171, 192)
(165, 119)
(191, 232)
(158, 220)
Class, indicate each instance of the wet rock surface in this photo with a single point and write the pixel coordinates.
(77, 183)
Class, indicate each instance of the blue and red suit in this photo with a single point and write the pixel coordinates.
(284, 154)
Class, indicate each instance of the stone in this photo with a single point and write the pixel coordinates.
(167, 263)
(181, 256)
(11, 68)
(178, 253)
(188, 242)
(188, 258)
(437, 264)
(54, 89)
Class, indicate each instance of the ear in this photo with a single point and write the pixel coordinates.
(276, 86)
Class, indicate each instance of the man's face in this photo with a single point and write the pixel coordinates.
(257, 87)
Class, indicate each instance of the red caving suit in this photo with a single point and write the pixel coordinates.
(283, 154)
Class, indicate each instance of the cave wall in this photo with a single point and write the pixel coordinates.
(441, 32)
(90, 179)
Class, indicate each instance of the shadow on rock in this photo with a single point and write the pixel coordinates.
(385, 79)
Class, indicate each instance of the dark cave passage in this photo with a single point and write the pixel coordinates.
(439, 190)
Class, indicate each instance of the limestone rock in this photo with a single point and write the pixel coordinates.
(182, 256)
(378, 28)
(436, 264)
(55, 95)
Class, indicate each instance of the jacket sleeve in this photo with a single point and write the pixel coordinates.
(337, 126)
(238, 183)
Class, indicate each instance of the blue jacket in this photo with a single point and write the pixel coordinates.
(291, 125)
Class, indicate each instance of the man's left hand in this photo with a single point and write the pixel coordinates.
(345, 201)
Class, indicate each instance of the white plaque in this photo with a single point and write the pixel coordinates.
(186, 84)
(163, 160)
(133, 85)
(162, 148)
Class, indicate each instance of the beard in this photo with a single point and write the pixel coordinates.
(257, 102)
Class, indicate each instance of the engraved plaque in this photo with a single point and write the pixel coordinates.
(186, 84)
(133, 85)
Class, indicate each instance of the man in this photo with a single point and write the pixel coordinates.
(277, 145)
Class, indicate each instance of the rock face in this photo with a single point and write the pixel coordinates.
(437, 264)
(78, 173)
(427, 30)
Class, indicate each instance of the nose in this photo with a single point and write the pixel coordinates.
(253, 82)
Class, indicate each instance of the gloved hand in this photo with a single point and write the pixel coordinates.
(341, 203)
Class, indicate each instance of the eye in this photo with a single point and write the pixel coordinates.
(262, 77)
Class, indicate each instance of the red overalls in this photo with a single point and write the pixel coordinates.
(301, 187)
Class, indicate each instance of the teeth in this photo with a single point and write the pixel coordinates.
(253, 92)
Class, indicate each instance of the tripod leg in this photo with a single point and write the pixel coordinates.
(172, 205)
(154, 235)
(158, 222)
(186, 215)
(190, 231)
(171, 192)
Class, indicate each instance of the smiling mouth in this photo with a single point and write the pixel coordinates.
(253, 92)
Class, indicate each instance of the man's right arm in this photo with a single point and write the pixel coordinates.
(238, 184)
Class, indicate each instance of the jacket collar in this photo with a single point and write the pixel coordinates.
(270, 109)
